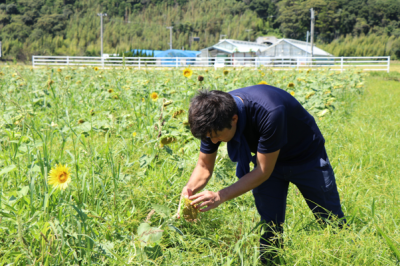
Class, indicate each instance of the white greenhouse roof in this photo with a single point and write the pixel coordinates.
(301, 45)
(236, 46)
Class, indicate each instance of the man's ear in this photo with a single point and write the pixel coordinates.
(235, 118)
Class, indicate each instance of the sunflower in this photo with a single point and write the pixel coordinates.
(134, 134)
(292, 93)
(167, 140)
(154, 96)
(59, 176)
(96, 68)
(81, 121)
(290, 85)
(178, 113)
(263, 82)
(59, 70)
(110, 90)
(187, 72)
(309, 95)
(166, 103)
(200, 78)
(189, 212)
(226, 72)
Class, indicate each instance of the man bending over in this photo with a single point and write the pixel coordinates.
(287, 146)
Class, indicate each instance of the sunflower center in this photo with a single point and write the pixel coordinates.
(63, 177)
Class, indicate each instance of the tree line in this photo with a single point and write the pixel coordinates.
(72, 27)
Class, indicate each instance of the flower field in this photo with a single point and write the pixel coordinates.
(92, 163)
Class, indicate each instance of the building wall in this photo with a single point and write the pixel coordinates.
(239, 59)
(284, 49)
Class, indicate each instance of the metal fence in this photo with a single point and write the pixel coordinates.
(375, 63)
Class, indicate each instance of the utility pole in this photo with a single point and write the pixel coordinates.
(170, 37)
(248, 34)
(308, 35)
(190, 41)
(312, 31)
(101, 15)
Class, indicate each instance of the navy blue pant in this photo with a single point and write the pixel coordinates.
(316, 182)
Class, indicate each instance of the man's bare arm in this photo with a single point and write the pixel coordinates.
(200, 175)
(265, 166)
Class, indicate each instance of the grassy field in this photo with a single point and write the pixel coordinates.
(395, 66)
(362, 143)
(123, 134)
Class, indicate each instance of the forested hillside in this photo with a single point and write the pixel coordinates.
(72, 27)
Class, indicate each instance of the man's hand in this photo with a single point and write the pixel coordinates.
(200, 176)
(206, 198)
(186, 192)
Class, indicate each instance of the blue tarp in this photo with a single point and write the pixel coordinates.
(147, 52)
(170, 53)
(177, 53)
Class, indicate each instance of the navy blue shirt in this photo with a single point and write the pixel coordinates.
(276, 121)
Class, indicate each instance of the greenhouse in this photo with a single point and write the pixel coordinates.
(292, 48)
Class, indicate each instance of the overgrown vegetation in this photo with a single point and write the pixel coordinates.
(365, 45)
(72, 27)
(123, 134)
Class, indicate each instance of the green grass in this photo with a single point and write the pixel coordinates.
(125, 189)
(363, 144)
(395, 66)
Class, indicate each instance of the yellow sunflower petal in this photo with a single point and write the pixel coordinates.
(59, 176)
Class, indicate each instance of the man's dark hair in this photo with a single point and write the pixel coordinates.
(211, 111)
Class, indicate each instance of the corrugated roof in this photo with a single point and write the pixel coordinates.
(301, 45)
(239, 46)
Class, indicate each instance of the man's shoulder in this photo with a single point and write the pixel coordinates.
(257, 90)
(263, 96)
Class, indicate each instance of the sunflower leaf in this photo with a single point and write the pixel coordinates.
(148, 234)
(8, 169)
